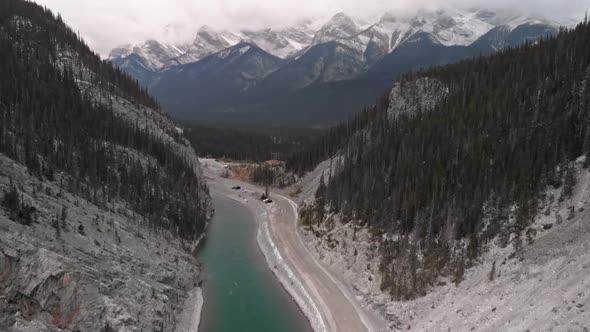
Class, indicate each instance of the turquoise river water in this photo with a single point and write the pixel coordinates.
(240, 291)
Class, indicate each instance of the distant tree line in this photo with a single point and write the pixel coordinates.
(510, 126)
(263, 175)
(247, 143)
(50, 126)
(270, 175)
(307, 156)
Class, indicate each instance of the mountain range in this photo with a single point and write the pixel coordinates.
(312, 76)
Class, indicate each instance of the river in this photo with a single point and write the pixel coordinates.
(241, 293)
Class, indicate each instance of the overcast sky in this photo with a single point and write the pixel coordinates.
(105, 24)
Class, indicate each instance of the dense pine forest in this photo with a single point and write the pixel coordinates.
(65, 134)
(244, 142)
(441, 184)
(309, 155)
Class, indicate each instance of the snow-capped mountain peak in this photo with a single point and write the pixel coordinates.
(339, 27)
(121, 51)
(283, 43)
(451, 27)
(155, 54)
(207, 41)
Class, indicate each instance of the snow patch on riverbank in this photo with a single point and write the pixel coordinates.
(286, 276)
(350, 253)
(190, 318)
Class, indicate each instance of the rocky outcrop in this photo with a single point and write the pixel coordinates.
(104, 270)
(415, 96)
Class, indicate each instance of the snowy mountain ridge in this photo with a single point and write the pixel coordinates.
(155, 54)
(207, 41)
(449, 27)
(283, 43)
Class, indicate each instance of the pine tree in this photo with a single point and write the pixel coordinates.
(320, 193)
(586, 146)
(569, 181)
(56, 226)
(63, 217)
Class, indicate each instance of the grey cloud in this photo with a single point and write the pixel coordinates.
(108, 23)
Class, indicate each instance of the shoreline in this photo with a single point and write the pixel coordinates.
(190, 318)
(339, 283)
(287, 277)
(279, 268)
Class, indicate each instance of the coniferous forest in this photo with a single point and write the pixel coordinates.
(253, 143)
(49, 124)
(508, 128)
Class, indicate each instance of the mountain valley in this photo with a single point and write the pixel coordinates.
(426, 169)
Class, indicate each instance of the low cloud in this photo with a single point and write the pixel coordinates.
(108, 23)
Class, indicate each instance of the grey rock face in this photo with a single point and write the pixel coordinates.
(416, 96)
(115, 273)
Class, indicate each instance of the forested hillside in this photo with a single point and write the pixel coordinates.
(440, 181)
(101, 198)
(50, 125)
